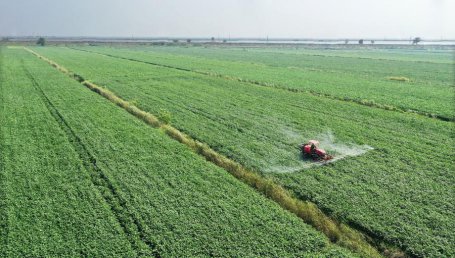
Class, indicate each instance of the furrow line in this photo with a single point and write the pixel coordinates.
(337, 232)
(363, 102)
(365, 58)
(4, 220)
(129, 223)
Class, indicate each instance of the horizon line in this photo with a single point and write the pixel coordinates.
(225, 38)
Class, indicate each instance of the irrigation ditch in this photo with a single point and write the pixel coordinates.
(358, 241)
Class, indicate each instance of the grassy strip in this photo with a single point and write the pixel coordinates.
(364, 102)
(337, 232)
(399, 78)
(129, 223)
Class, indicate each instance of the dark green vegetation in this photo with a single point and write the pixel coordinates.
(82, 177)
(402, 191)
(49, 206)
(338, 233)
(429, 89)
(41, 41)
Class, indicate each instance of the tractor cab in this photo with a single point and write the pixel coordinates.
(311, 150)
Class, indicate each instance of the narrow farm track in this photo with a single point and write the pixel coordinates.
(284, 87)
(365, 58)
(339, 233)
(106, 188)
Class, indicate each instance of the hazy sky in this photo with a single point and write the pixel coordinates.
(237, 18)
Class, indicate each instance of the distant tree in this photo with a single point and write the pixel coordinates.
(213, 39)
(372, 42)
(175, 40)
(361, 42)
(41, 41)
(346, 41)
(188, 41)
(416, 40)
(224, 40)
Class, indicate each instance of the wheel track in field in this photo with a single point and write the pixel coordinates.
(363, 58)
(4, 220)
(128, 221)
(339, 233)
(368, 103)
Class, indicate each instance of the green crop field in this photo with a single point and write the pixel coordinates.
(427, 88)
(81, 176)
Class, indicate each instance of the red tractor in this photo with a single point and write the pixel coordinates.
(311, 150)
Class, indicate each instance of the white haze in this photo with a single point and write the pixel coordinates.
(340, 150)
(235, 18)
(327, 141)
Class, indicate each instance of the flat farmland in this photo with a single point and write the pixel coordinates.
(49, 205)
(82, 177)
(393, 191)
(386, 115)
(406, 80)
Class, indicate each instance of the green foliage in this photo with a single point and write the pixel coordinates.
(399, 78)
(134, 102)
(41, 42)
(340, 73)
(406, 174)
(49, 204)
(163, 194)
(164, 116)
(337, 233)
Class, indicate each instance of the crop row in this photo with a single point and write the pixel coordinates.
(183, 205)
(49, 205)
(428, 89)
(404, 176)
(364, 102)
(337, 232)
(404, 54)
(422, 65)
